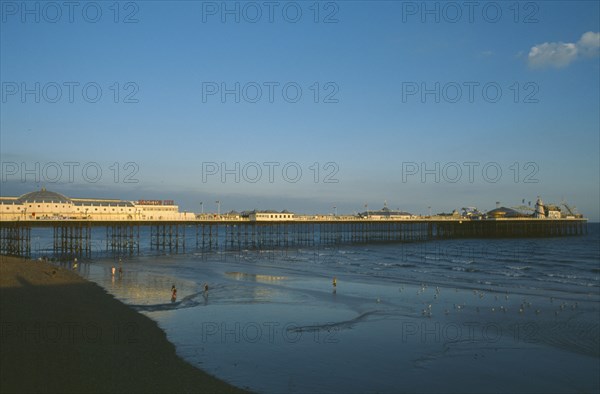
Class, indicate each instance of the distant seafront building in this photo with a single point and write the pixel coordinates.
(268, 215)
(44, 204)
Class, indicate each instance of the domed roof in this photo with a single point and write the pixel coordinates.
(505, 212)
(43, 196)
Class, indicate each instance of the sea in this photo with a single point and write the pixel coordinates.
(446, 316)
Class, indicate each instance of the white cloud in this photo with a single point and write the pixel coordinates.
(589, 44)
(560, 54)
(556, 54)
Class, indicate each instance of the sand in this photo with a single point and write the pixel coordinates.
(61, 333)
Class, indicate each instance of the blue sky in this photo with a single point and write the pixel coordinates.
(514, 95)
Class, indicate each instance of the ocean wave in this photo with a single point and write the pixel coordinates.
(462, 261)
(520, 268)
(563, 281)
(463, 269)
(563, 276)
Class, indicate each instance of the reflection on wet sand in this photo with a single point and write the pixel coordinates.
(255, 277)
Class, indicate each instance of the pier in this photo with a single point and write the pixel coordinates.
(80, 237)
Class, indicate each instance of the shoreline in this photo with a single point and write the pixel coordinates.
(62, 333)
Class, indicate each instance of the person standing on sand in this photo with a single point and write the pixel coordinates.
(173, 293)
(113, 270)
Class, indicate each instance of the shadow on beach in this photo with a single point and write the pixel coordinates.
(60, 333)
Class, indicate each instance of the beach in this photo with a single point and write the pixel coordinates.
(62, 333)
(480, 316)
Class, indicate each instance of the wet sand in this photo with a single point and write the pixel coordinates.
(62, 333)
(280, 329)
